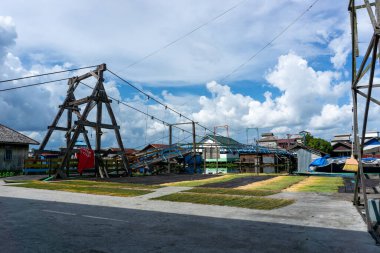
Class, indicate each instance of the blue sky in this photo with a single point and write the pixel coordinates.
(300, 82)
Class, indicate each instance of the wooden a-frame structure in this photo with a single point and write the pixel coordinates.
(73, 129)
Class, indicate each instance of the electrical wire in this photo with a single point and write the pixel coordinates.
(184, 35)
(45, 74)
(156, 100)
(34, 84)
(270, 42)
(138, 110)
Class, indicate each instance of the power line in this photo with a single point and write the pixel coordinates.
(156, 100)
(270, 42)
(45, 74)
(184, 35)
(35, 84)
(138, 110)
(161, 138)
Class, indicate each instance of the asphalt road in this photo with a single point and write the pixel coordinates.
(28, 225)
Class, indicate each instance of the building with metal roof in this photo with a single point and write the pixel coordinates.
(14, 148)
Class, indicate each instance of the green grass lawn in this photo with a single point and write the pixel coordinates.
(318, 184)
(219, 179)
(80, 188)
(228, 200)
(274, 184)
(228, 191)
(105, 184)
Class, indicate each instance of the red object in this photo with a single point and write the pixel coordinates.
(86, 159)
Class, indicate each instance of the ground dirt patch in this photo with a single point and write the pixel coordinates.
(159, 179)
(207, 181)
(234, 183)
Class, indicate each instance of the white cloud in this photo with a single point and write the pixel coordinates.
(303, 95)
(332, 117)
(281, 130)
(341, 47)
(8, 34)
(129, 30)
(139, 27)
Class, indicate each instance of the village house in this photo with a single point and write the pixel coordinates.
(219, 151)
(215, 147)
(14, 148)
(305, 155)
(269, 140)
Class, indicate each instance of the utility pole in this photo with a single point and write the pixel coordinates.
(194, 150)
(170, 144)
(218, 151)
(194, 141)
(252, 128)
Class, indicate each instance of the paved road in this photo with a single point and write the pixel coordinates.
(46, 221)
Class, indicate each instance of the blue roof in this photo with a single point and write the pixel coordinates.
(80, 144)
(372, 142)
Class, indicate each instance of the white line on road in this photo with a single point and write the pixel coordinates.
(52, 211)
(104, 218)
(86, 216)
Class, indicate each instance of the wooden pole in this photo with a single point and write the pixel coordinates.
(170, 144)
(194, 149)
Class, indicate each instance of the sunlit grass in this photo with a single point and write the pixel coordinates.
(274, 184)
(227, 191)
(89, 189)
(105, 184)
(318, 184)
(228, 200)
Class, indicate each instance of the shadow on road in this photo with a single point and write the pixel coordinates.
(43, 226)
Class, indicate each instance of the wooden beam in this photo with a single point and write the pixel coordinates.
(365, 96)
(80, 101)
(366, 86)
(93, 124)
(370, 14)
(362, 6)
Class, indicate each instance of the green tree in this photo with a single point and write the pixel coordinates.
(318, 143)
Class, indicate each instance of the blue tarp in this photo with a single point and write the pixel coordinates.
(320, 162)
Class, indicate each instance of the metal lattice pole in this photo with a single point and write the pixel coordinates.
(368, 63)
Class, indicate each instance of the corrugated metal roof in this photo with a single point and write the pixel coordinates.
(8, 135)
(301, 146)
(226, 141)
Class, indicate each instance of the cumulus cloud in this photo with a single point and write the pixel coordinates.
(332, 116)
(303, 96)
(341, 47)
(304, 93)
(140, 27)
(8, 35)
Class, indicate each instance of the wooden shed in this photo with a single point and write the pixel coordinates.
(14, 148)
(305, 155)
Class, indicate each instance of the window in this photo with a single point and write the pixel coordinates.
(8, 155)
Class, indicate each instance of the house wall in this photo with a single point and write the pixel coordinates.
(250, 158)
(269, 163)
(19, 154)
(304, 158)
(268, 144)
(211, 152)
